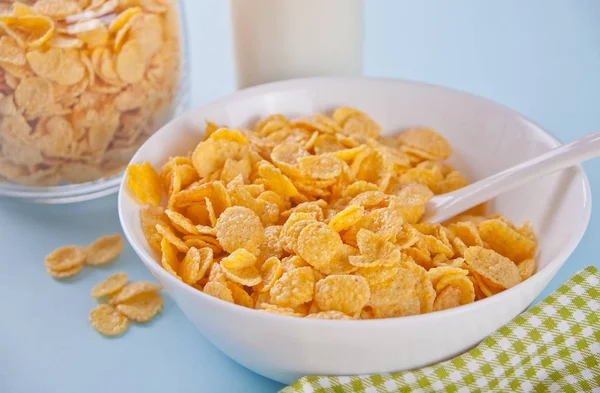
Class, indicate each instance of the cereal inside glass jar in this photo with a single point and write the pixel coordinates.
(83, 83)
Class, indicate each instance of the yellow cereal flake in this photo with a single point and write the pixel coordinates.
(270, 271)
(526, 268)
(239, 227)
(294, 288)
(113, 284)
(121, 19)
(318, 244)
(142, 307)
(65, 258)
(66, 273)
(240, 296)
(167, 233)
(104, 249)
(130, 65)
(11, 51)
(271, 245)
(144, 184)
(398, 297)
(107, 320)
(344, 293)
(449, 297)
(182, 223)
(195, 264)
(169, 259)
(132, 290)
(150, 216)
(219, 290)
(467, 232)
(506, 241)
(347, 217)
(489, 264)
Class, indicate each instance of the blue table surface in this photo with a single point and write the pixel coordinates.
(539, 57)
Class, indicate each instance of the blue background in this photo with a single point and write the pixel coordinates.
(539, 57)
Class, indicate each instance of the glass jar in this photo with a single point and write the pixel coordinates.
(83, 83)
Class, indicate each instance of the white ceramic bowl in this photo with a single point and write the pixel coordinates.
(486, 138)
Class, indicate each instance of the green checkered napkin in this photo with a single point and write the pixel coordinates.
(553, 347)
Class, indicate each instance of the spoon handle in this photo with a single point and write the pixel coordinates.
(442, 207)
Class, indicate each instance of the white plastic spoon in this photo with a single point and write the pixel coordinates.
(442, 207)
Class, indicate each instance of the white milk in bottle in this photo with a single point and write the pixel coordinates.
(283, 39)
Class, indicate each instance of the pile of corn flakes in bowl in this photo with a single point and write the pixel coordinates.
(320, 217)
(82, 85)
(300, 237)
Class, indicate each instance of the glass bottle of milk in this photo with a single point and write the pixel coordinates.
(284, 39)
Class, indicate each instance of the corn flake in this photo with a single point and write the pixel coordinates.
(144, 184)
(344, 293)
(107, 320)
(141, 308)
(239, 227)
(318, 244)
(104, 249)
(65, 258)
(506, 241)
(219, 290)
(131, 290)
(489, 264)
(294, 288)
(112, 284)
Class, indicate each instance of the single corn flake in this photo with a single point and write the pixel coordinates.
(130, 64)
(294, 288)
(107, 320)
(375, 250)
(240, 267)
(133, 289)
(467, 232)
(239, 259)
(398, 297)
(219, 290)
(449, 297)
(65, 258)
(167, 233)
(142, 307)
(182, 223)
(489, 264)
(240, 227)
(240, 296)
(318, 244)
(506, 241)
(144, 184)
(270, 271)
(526, 268)
(276, 181)
(195, 264)
(347, 218)
(113, 284)
(169, 259)
(344, 293)
(428, 143)
(104, 249)
(63, 274)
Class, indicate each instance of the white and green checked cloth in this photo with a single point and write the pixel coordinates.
(553, 347)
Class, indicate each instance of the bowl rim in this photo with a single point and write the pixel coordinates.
(554, 264)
